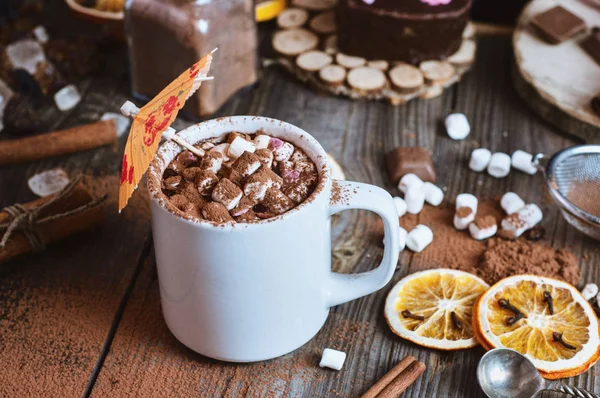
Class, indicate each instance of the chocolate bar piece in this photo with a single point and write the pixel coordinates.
(596, 104)
(592, 44)
(401, 161)
(557, 24)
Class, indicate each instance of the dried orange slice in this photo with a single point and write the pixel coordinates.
(433, 308)
(545, 319)
(269, 9)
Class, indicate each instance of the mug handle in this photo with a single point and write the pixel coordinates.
(342, 288)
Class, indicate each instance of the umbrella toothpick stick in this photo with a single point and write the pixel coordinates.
(130, 110)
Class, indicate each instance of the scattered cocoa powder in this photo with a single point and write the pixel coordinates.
(584, 194)
(485, 221)
(463, 212)
(505, 257)
(457, 250)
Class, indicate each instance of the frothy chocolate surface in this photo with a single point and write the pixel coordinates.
(242, 178)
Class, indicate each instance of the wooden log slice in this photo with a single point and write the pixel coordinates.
(437, 72)
(349, 61)
(465, 54)
(379, 64)
(315, 5)
(292, 18)
(294, 41)
(333, 75)
(312, 61)
(366, 80)
(558, 81)
(406, 78)
(324, 23)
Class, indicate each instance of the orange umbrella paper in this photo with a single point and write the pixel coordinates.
(152, 121)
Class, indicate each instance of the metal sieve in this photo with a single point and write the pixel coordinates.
(573, 179)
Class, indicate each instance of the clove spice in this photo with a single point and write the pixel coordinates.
(548, 299)
(558, 337)
(457, 323)
(408, 314)
(505, 304)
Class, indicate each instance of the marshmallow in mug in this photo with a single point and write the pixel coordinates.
(332, 359)
(457, 126)
(433, 194)
(419, 238)
(466, 209)
(499, 166)
(511, 203)
(515, 224)
(523, 161)
(409, 180)
(415, 199)
(480, 159)
(240, 145)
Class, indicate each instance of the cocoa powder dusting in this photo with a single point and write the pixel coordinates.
(457, 250)
(58, 306)
(584, 194)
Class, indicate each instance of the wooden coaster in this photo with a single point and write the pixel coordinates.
(307, 44)
(558, 81)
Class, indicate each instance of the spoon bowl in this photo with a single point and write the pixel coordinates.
(504, 373)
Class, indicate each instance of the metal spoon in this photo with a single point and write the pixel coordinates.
(505, 373)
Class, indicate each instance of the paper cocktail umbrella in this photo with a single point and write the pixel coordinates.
(153, 121)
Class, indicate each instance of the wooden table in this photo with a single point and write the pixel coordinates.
(84, 318)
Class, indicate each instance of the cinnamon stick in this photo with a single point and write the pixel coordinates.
(75, 139)
(57, 229)
(388, 377)
(403, 380)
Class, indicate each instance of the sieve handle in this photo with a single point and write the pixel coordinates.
(540, 161)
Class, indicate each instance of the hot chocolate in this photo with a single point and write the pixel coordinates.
(241, 178)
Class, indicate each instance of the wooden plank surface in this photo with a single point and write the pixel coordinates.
(145, 359)
(61, 311)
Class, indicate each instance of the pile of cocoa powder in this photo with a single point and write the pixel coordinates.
(492, 259)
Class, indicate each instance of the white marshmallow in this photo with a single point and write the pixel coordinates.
(467, 200)
(462, 223)
(400, 206)
(480, 159)
(484, 233)
(528, 217)
(511, 203)
(284, 152)
(402, 238)
(590, 290)
(522, 161)
(409, 180)
(223, 149)
(41, 34)
(261, 141)
(457, 126)
(419, 238)
(415, 199)
(238, 146)
(499, 166)
(433, 194)
(332, 359)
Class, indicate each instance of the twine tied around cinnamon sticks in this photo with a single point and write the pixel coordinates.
(28, 221)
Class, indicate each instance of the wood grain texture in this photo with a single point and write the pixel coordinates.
(145, 359)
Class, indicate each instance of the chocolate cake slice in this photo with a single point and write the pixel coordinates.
(401, 30)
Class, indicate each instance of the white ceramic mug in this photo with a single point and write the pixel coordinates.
(250, 292)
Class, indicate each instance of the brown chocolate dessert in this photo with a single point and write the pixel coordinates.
(410, 30)
(242, 178)
(592, 44)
